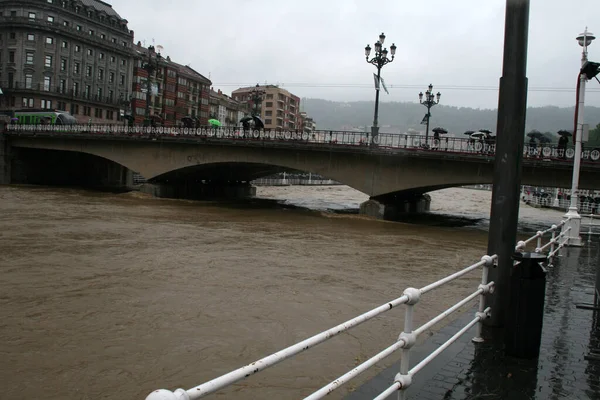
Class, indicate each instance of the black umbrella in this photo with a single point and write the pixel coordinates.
(469, 132)
(485, 131)
(564, 132)
(536, 135)
(246, 119)
(439, 130)
(258, 124)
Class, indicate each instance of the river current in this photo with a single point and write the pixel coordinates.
(110, 296)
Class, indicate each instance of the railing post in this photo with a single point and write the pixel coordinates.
(539, 235)
(489, 261)
(554, 228)
(413, 298)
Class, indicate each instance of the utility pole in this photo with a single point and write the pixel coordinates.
(512, 108)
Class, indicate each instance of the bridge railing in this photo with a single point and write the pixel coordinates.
(382, 142)
(589, 221)
(406, 339)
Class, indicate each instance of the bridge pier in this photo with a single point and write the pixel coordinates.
(395, 210)
(200, 191)
(5, 160)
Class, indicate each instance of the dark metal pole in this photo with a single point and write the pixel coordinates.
(512, 107)
(428, 116)
(148, 88)
(375, 127)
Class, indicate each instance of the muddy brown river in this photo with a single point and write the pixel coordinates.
(110, 296)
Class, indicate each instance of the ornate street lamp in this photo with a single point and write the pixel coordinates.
(429, 101)
(379, 60)
(584, 40)
(152, 63)
(256, 95)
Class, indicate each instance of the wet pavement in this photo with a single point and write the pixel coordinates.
(568, 366)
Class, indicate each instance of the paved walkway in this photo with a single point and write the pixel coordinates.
(569, 362)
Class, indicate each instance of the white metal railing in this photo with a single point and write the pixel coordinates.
(592, 227)
(410, 297)
(586, 204)
(554, 244)
(406, 340)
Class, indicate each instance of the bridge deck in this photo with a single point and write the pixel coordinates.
(566, 368)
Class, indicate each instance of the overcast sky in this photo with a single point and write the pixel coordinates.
(314, 48)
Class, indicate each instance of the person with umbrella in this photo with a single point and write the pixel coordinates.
(562, 143)
(436, 137)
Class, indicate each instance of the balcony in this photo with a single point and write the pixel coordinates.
(10, 88)
(25, 22)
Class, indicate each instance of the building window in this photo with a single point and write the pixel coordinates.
(76, 68)
(77, 9)
(50, 1)
(268, 121)
(110, 94)
(269, 96)
(31, 15)
(11, 56)
(114, 40)
(100, 74)
(28, 81)
(49, 40)
(91, 32)
(63, 64)
(124, 44)
(50, 19)
(61, 105)
(269, 104)
(99, 93)
(88, 70)
(65, 23)
(122, 82)
(88, 91)
(101, 56)
(112, 59)
(74, 109)
(123, 62)
(102, 36)
(268, 113)
(110, 115)
(87, 110)
(48, 62)
(77, 48)
(28, 58)
(46, 104)
(12, 35)
(171, 73)
(78, 27)
(64, 44)
(90, 52)
(63, 85)
(30, 37)
(76, 88)
(28, 102)
(47, 82)
(111, 77)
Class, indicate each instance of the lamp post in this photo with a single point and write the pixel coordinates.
(574, 223)
(430, 101)
(151, 64)
(257, 97)
(379, 60)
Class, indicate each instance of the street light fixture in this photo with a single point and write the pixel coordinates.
(379, 60)
(430, 101)
(152, 63)
(257, 97)
(584, 40)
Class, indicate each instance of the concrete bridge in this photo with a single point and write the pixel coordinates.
(195, 163)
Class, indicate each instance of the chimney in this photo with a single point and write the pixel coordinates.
(220, 91)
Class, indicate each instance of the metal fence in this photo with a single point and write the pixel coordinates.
(406, 340)
(338, 139)
(293, 181)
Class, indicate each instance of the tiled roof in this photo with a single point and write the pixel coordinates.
(101, 6)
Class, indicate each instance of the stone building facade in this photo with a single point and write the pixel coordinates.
(70, 55)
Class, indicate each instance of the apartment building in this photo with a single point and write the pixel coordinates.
(227, 110)
(279, 109)
(71, 55)
(307, 124)
(176, 90)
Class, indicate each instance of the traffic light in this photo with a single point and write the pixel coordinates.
(590, 69)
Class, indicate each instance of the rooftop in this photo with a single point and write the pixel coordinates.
(101, 6)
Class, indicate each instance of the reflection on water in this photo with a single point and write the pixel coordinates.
(113, 295)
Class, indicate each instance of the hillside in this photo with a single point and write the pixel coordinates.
(399, 117)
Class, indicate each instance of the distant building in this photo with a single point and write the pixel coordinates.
(72, 55)
(279, 108)
(177, 91)
(227, 110)
(307, 124)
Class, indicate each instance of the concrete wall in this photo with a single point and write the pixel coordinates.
(385, 177)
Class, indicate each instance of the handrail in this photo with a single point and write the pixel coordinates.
(406, 339)
(330, 138)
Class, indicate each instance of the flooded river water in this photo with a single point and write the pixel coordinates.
(110, 296)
